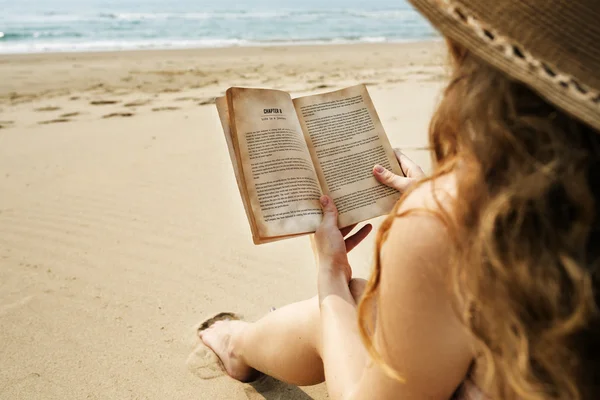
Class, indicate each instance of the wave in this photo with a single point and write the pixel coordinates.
(206, 15)
(380, 14)
(107, 45)
(37, 35)
(136, 16)
(9, 36)
(384, 14)
(113, 45)
(54, 17)
(13, 36)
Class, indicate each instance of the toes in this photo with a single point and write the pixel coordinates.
(205, 337)
(209, 338)
(225, 316)
(208, 332)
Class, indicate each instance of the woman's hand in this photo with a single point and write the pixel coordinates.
(413, 173)
(329, 244)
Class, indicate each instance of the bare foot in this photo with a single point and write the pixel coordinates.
(221, 338)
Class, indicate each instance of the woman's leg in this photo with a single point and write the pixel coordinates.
(284, 344)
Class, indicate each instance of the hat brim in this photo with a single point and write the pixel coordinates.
(507, 56)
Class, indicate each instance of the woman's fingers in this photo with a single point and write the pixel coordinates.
(328, 241)
(347, 230)
(411, 171)
(409, 167)
(358, 237)
(392, 180)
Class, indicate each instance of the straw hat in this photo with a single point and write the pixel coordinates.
(553, 46)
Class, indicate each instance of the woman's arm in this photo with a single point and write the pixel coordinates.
(337, 304)
(341, 344)
(417, 332)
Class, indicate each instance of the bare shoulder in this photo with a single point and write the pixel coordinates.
(423, 220)
(415, 301)
(434, 195)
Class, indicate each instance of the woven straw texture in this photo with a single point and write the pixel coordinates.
(553, 46)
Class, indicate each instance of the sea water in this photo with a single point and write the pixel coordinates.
(93, 25)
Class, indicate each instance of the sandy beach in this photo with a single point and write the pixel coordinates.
(121, 227)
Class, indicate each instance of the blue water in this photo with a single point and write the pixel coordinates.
(90, 25)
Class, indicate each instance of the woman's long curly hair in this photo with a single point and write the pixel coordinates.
(525, 228)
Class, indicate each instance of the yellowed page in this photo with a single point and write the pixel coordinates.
(346, 140)
(275, 163)
(223, 110)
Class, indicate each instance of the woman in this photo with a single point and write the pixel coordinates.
(486, 272)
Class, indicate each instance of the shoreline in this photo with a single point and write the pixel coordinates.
(193, 47)
(223, 49)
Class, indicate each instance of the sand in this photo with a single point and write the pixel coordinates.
(120, 223)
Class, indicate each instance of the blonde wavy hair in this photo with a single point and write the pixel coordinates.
(525, 235)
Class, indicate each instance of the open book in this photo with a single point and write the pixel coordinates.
(287, 152)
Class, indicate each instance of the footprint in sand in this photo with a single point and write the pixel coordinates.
(6, 124)
(103, 102)
(206, 365)
(46, 109)
(203, 362)
(54, 121)
(165, 109)
(207, 101)
(69, 115)
(435, 78)
(138, 103)
(118, 115)
(188, 99)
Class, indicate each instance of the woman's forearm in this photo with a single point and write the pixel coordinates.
(343, 353)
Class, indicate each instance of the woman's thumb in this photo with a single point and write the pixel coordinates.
(392, 180)
(330, 214)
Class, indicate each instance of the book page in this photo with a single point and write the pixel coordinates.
(274, 162)
(223, 111)
(346, 140)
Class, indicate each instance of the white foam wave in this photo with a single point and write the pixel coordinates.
(53, 18)
(216, 15)
(137, 16)
(44, 47)
(384, 14)
(106, 45)
(201, 15)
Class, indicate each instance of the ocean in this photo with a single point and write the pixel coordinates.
(34, 26)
